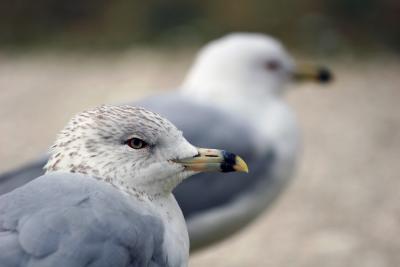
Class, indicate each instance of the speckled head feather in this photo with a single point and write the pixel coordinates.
(94, 143)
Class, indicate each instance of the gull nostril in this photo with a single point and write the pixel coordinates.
(212, 156)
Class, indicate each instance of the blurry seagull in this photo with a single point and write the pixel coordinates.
(106, 198)
(244, 75)
(235, 89)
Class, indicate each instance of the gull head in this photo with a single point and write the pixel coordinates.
(133, 149)
(246, 65)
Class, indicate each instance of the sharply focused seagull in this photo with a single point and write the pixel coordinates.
(235, 87)
(106, 198)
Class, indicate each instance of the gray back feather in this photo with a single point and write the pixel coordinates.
(71, 220)
(15, 178)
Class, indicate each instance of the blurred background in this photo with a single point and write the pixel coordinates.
(326, 26)
(343, 209)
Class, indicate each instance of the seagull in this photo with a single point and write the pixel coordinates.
(244, 75)
(106, 198)
(236, 87)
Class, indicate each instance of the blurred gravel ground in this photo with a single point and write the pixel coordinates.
(343, 208)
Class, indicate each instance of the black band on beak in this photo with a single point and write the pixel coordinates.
(228, 162)
(324, 75)
(213, 160)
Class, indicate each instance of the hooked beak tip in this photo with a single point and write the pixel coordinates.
(240, 165)
(232, 162)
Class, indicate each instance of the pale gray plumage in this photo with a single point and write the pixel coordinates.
(15, 178)
(72, 220)
(235, 86)
(118, 211)
(106, 198)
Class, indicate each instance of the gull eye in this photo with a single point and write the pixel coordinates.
(273, 65)
(136, 143)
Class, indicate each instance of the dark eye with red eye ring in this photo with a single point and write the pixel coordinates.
(273, 65)
(136, 143)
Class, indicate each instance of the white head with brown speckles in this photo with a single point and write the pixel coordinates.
(133, 149)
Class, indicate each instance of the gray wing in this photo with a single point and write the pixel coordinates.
(68, 220)
(22, 175)
(206, 126)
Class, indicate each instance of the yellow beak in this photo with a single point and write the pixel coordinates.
(214, 160)
(306, 72)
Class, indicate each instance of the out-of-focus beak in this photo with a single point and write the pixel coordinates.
(312, 73)
(214, 160)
